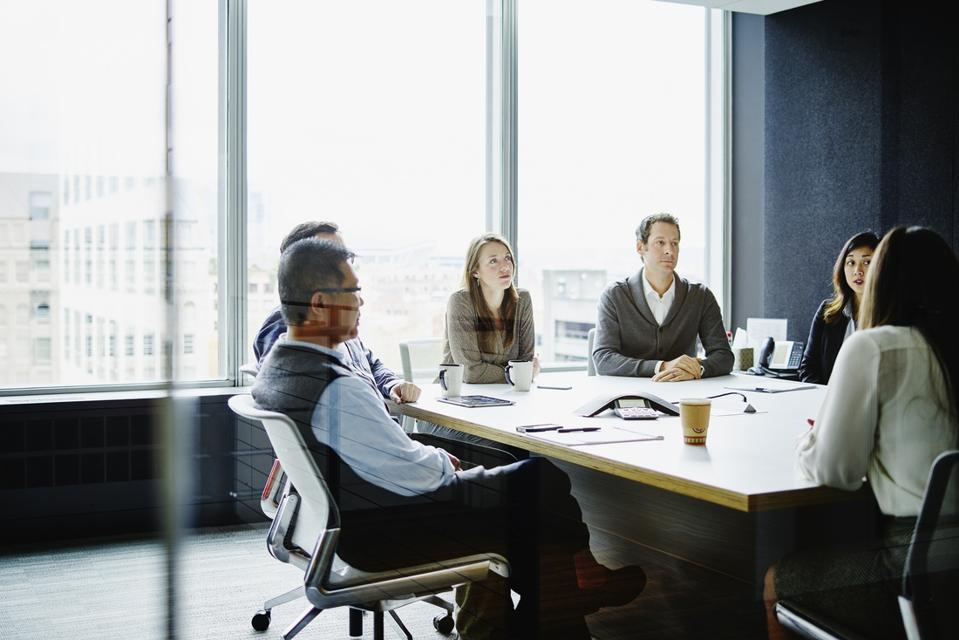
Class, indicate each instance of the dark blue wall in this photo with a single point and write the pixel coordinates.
(861, 130)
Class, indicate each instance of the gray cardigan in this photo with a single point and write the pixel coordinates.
(629, 342)
(461, 346)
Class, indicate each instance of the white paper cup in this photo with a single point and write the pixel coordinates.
(694, 414)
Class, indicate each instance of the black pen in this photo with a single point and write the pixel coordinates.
(571, 429)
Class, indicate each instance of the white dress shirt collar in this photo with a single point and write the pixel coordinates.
(658, 305)
(851, 325)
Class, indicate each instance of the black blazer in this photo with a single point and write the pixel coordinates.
(822, 347)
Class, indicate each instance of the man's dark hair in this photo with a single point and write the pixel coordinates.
(642, 231)
(305, 266)
(306, 230)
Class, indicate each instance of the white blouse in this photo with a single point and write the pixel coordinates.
(886, 416)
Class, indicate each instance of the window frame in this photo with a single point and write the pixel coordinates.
(502, 95)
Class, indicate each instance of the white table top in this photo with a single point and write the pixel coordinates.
(747, 464)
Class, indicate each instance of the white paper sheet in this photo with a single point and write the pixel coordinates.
(758, 329)
(605, 435)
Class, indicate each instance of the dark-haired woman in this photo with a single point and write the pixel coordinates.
(489, 321)
(835, 319)
(890, 409)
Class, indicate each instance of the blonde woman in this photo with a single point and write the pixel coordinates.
(489, 321)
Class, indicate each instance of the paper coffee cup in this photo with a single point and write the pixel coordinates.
(694, 414)
(451, 379)
(522, 374)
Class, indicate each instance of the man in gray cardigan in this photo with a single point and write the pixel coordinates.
(649, 322)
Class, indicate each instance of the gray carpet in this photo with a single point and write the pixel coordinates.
(114, 590)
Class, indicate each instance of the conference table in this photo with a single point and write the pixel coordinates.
(733, 506)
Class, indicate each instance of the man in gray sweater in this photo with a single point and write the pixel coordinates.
(649, 322)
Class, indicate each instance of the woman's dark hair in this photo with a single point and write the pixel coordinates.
(911, 283)
(842, 292)
(486, 325)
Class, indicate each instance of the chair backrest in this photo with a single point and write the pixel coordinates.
(590, 367)
(421, 358)
(317, 513)
(930, 579)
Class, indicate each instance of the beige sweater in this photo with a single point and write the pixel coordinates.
(461, 346)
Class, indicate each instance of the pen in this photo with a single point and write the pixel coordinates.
(571, 429)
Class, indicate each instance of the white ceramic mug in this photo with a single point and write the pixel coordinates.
(522, 378)
(451, 379)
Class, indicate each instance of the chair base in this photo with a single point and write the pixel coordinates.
(261, 620)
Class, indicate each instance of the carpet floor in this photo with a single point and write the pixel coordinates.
(115, 589)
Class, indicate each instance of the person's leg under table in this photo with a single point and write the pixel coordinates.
(522, 511)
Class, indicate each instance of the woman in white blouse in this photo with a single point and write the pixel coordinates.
(890, 409)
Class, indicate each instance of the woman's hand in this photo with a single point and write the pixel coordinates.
(535, 366)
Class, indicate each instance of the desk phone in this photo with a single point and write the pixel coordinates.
(636, 413)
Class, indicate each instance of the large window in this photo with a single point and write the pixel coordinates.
(371, 114)
(130, 149)
(83, 140)
(612, 127)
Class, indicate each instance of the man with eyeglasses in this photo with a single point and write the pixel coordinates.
(404, 503)
(358, 357)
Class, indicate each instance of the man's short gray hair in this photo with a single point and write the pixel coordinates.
(642, 231)
(305, 266)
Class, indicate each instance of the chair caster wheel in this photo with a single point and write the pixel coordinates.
(261, 621)
(443, 624)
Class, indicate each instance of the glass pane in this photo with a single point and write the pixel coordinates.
(83, 202)
(612, 115)
(195, 231)
(370, 114)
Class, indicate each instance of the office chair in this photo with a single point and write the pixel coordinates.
(308, 518)
(421, 358)
(930, 575)
(590, 365)
(930, 581)
(421, 362)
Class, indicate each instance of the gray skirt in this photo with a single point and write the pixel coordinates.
(856, 586)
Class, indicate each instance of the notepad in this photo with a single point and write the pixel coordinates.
(606, 435)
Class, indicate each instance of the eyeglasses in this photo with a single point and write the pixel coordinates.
(291, 303)
(340, 289)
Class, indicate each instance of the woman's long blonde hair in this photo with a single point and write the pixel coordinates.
(486, 324)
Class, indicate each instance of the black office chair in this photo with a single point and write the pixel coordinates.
(930, 581)
(930, 575)
(307, 518)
